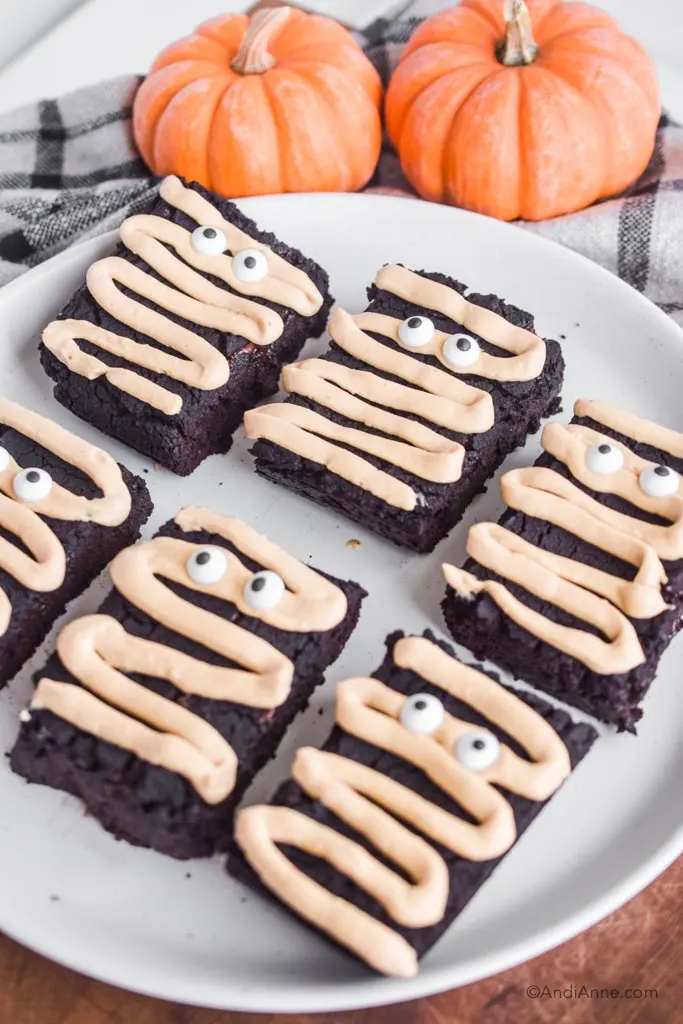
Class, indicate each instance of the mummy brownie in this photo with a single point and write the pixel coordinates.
(417, 402)
(66, 508)
(159, 710)
(579, 588)
(184, 327)
(382, 837)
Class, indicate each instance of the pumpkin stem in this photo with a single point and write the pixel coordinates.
(253, 56)
(519, 47)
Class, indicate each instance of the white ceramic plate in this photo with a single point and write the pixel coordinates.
(185, 931)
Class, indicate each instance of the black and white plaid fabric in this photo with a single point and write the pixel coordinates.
(69, 170)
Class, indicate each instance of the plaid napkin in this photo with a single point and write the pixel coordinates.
(69, 171)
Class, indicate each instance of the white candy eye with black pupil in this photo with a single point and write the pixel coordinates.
(249, 265)
(32, 484)
(659, 481)
(422, 713)
(604, 458)
(4, 459)
(416, 331)
(264, 590)
(477, 750)
(207, 565)
(461, 350)
(208, 241)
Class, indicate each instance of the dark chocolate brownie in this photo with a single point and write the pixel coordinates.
(481, 626)
(519, 409)
(208, 418)
(148, 805)
(465, 876)
(88, 547)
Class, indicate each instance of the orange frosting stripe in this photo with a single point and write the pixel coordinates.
(569, 443)
(544, 494)
(44, 569)
(527, 350)
(635, 427)
(569, 585)
(606, 602)
(376, 806)
(98, 651)
(376, 403)
(429, 392)
(184, 292)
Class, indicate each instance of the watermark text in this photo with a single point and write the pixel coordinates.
(589, 993)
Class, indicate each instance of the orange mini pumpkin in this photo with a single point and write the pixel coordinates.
(530, 110)
(286, 102)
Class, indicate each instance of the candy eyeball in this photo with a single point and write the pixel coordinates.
(604, 458)
(249, 265)
(264, 590)
(208, 241)
(477, 750)
(461, 350)
(659, 481)
(207, 565)
(422, 713)
(32, 484)
(416, 331)
(4, 459)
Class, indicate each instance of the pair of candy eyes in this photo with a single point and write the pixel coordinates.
(476, 750)
(209, 565)
(29, 484)
(459, 350)
(247, 265)
(655, 481)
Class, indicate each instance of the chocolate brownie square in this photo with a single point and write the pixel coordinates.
(66, 508)
(158, 711)
(579, 588)
(430, 775)
(185, 326)
(418, 400)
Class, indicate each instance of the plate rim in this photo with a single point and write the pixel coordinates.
(341, 996)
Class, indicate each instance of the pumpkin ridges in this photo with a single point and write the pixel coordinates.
(347, 103)
(154, 96)
(206, 128)
(330, 43)
(643, 73)
(227, 30)
(343, 60)
(621, 103)
(570, 18)
(303, 65)
(493, 14)
(573, 144)
(309, 155)
(428, 123)
(494, 101)
(318, 30)
(454, 26)
(237, 166)
(549, 109)
(416, 74)
(606, 46)
(180, 139)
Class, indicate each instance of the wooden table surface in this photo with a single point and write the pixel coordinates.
(638, 948)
